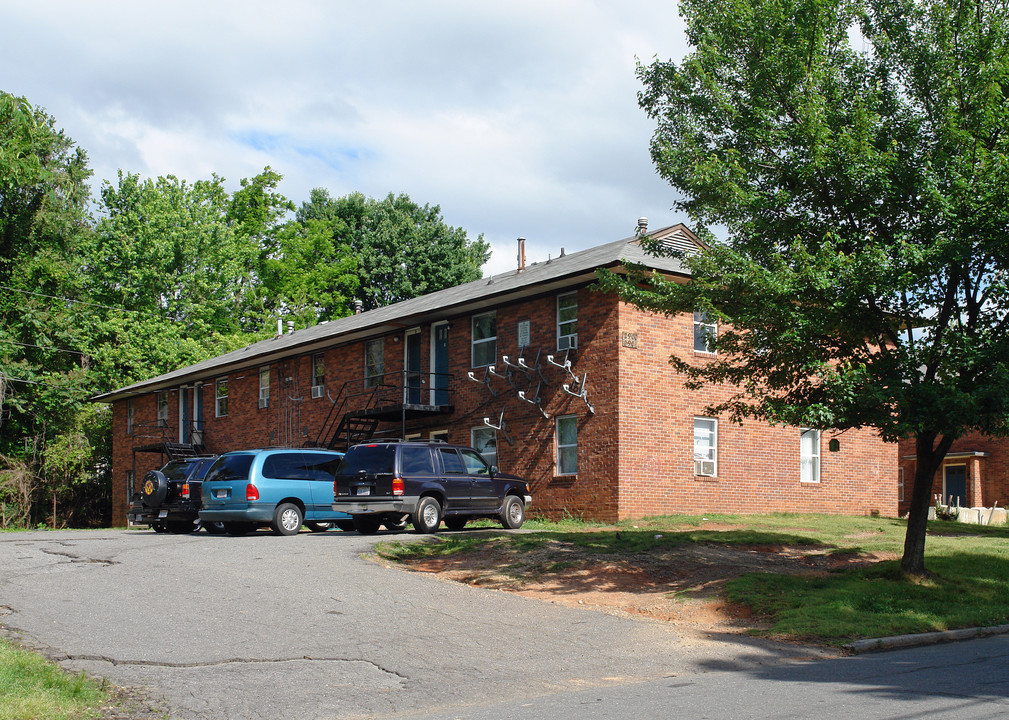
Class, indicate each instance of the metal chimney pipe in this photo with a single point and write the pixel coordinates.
(280, 326)
(522, 254)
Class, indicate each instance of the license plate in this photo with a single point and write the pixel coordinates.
(364, 491)
(220, 493)
(163, 514)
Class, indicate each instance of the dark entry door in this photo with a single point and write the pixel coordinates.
(439, 364)
(955, 486)
(185, 419)
(413, 368)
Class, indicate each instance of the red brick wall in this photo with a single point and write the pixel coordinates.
(987, 461)
(758, 465)
(641, 430)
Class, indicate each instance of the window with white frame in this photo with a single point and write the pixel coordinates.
(484, 441)
(484, 339)
(900, 484)
(567, 445)
(318, 374)
(264, 386)
(705, 447)
(705, 331)
(809, 455)
(163, 408)
(374, 362)
(129, 416)
(567, 321)
(221, 397)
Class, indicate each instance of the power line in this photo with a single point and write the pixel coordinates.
(42, 347)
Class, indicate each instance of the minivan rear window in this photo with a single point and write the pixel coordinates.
(230, 467)
(301, 466)
(375, 459)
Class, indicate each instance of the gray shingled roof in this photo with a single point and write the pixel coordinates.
(570, 269)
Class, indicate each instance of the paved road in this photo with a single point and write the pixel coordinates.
(265, 627)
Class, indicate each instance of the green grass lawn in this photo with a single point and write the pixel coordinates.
(968, 585)
(32, 688)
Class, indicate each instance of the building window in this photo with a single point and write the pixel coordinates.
(221, 398)
(162, 409)
(567, 445)
(129, 416)
(705, 447)
(705, 332)
(567, 321)
(900, 484)
(809, 455)
(438, 436)
(484, 339)
(484, 441)
(264, 386)
(318, 375)
(374, 362)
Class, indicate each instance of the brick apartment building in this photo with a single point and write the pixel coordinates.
(974, 473)
(568, 387)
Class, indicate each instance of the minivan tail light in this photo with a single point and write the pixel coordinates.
(397, 486)
(251, 492)
(185, 490)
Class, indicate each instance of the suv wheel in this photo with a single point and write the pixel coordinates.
(287, 519)
(318, 526)
(513, 514)
(427, 518)
(456, 522)
(346, 525)
(397, 524)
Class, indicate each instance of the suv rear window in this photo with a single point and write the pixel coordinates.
(415, 460)
(230, 467)
(177, 470)
(377, 459)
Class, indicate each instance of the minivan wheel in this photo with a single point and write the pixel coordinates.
(238, 528)
(427, 518)
(513, 514)
(287, 519)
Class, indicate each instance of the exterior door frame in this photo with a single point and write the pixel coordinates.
(439, 375)
(412, 377)
(945, 494)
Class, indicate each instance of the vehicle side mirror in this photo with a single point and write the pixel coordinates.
(493, 470)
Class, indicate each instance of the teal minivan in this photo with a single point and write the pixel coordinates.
(282, 488)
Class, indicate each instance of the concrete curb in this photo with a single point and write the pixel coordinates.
(919, 639)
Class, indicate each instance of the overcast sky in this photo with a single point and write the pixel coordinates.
(516, 118)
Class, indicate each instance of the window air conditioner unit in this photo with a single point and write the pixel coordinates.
(318, 391)
(567, 342)
(264, 402)
(704, 467)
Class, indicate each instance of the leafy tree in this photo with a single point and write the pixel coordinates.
(403, 250)
(854, 154)
(44, 332)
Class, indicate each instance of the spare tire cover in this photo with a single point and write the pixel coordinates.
(154, 488)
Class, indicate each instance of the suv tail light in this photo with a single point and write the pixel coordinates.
(251, 492)
(397, 486)
(184, 493)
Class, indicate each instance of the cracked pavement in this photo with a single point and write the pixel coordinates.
(242, 628)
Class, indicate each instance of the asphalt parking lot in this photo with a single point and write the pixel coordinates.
(242, 628)
(265, 626)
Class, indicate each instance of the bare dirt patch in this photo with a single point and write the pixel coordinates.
(680, 585)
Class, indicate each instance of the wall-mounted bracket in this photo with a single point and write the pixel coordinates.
(534, 401)
(580, 392)
(500, 427)
(485, 380)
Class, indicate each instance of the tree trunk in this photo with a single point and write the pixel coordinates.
(929, 457)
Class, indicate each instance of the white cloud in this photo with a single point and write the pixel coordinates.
(517, 118)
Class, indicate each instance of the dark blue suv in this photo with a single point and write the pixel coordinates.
(279, 487)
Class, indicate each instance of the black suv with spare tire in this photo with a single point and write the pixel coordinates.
(388, 483)
(170, 499)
